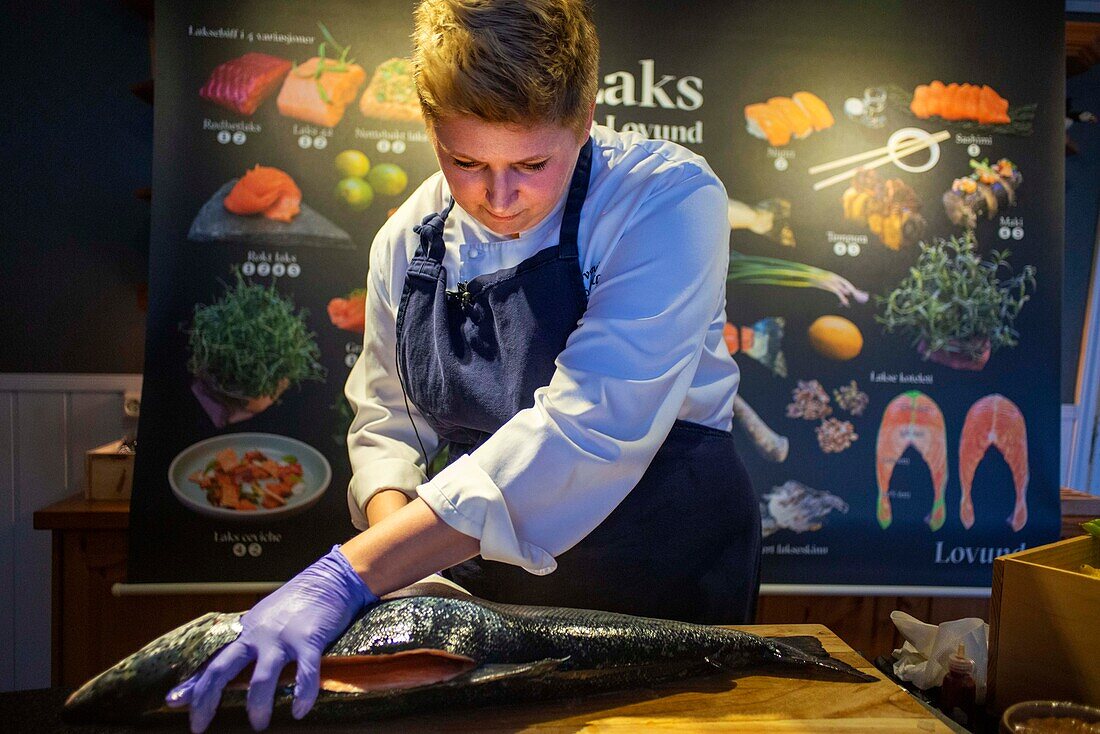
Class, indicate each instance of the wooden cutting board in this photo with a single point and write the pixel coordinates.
(751, 704)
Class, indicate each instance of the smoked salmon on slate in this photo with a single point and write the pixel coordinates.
(242, 84)
(912, 419)
(994, 421)
(265, 190)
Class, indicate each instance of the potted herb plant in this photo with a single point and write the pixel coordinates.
(957, 307)
(247, 349)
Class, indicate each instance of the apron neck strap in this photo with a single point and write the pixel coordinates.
(431, 233)
(578, 190)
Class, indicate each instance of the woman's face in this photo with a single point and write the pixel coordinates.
(508, 177)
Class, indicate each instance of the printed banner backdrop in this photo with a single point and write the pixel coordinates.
(896, 328)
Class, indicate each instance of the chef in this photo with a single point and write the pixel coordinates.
(548, 309)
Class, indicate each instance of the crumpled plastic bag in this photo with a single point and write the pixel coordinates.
(922, 660)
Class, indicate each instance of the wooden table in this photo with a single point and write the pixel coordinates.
(757, 703)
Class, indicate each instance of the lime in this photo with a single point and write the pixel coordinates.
(388, 179)
(353, 163)
(356, 192)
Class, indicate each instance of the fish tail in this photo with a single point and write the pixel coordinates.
(807, 652)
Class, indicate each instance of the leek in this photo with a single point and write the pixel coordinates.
(758, 270)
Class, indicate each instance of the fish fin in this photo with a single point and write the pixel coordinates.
(501, 671)
(804, 650)
(803, 653)
(807, 644)
(441, 588)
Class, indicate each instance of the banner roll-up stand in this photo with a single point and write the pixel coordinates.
(896, 216)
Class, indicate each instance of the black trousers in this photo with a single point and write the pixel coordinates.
(684, 544)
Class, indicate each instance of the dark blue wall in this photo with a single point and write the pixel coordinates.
(1082, 209)
(74, 239)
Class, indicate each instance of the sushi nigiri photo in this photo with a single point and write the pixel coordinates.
(781, 118)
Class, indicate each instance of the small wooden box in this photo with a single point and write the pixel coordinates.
(108, 474)
(1045, 625)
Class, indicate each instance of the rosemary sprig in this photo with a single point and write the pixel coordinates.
(954, 301)
(325, 64)
(330, 39)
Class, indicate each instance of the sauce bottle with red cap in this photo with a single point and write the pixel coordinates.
(958, 690)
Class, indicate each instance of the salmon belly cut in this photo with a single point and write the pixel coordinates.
(363, 673)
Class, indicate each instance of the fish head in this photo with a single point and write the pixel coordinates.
(138, 684)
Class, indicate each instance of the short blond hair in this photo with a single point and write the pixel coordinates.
(512, 61)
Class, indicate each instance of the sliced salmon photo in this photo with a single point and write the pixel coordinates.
(242, 84)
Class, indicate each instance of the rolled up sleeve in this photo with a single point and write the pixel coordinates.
(555, 471)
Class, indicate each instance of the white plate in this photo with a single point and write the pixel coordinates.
(316, 473)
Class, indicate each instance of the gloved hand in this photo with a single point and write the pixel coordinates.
(295, 622)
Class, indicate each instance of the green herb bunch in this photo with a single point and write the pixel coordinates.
(339, 65)
(953, 300)
(251, 341)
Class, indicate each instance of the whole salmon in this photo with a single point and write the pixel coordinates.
(448, 649)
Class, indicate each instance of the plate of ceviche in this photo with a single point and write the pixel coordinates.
(249, 476)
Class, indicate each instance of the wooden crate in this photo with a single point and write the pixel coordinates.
(1045, 625)
(1077, 507)
(108, 474)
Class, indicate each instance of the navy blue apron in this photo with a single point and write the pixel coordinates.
(685, 542)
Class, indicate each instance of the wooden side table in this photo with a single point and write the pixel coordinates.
(92, 628)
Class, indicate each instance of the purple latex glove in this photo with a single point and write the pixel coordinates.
(295, 622)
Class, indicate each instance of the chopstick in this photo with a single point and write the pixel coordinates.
(821, 167)
(902, 152)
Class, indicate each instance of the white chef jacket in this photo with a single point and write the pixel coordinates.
(654, 250)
